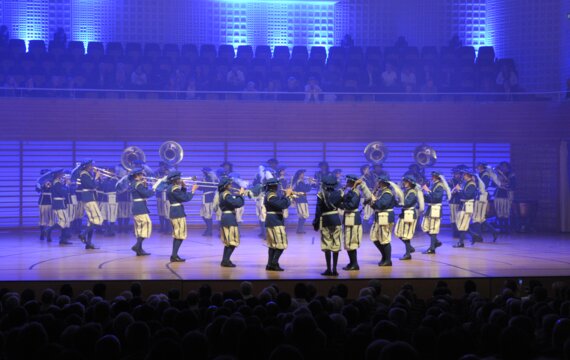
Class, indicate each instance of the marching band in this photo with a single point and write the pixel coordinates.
(365, 204)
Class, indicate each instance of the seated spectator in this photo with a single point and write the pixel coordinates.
(371, 77)
(250, 92)
(429, 91)
(507, 79)
(294, 90)
(139, 78)
(389, 78)
(235, 78)
(312, 90)
(408, 79)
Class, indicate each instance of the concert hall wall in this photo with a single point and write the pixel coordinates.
(39, 133)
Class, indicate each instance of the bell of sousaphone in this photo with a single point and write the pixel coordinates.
(376, 152)
(171, 152)
(131, 156)
(425, 155)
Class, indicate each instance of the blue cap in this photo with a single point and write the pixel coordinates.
(86, 162)
(225, 181)
(175, 175)
(271, 182)
(329, 180)
(410, 178)
(351, 177)
(384, 178)
(206, 169)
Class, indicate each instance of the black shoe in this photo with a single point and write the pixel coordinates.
(65, 242)
(142, 253)
(438, 244)
(90, 247)
(459, 245)
(177, 259)
(334, 273)
(351, 267)
(429, 251)
(412, 249)
(327, 273)
(385, 263)
(406, 257)
(83, 238)
(495, 236)
(227, 264)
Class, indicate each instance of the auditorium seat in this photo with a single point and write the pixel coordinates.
(152, 51)
(245, 53)
(448, 55)
(486, 55)
(133, 51)
(115, 50)
(189, 53)
(429, 54)
(37, 48)
(355, 53)
(208, 52)
(76, 49)
(281, 52)
(336, 54)
(300, 53)
(263, 52)
(318, 53)
(466, 54)
(391, 55)
(16, 47)
(411, 55)
(95, 49)
(315, 67)
(226, 52)
(55, 49)
(373, 54)
(171, 51)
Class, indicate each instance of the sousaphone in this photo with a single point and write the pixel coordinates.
(171, 152)
(131, 156)
(376, 152)
(425, 155)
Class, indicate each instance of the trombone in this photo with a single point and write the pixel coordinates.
(106, 173)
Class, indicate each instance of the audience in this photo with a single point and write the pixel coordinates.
(347, 68)
(237, 324)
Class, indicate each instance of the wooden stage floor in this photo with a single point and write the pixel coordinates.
(23, 257)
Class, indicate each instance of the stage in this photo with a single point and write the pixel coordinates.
(27, 261)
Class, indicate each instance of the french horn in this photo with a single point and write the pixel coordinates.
(171, 152)
(425, 155)
(376, 152)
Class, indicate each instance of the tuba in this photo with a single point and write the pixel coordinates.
(425, 155)
(376, 152)
(171, 152)
(131, 156)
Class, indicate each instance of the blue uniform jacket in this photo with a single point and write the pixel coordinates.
(87, 186)
(275, 204)
(455, 197)
(228, 205)
(410, 202)
(140, 193)
(435, 196)
(45, 195)
(108, 186)
(385, 202)
(328, 203)
(304, 188)
(59, 196)
(350, 203)
(469, 192)
(208, 193)
(176, 196)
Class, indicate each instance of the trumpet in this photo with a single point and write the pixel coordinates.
(105, 173)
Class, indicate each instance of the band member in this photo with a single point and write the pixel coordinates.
(208, 194)
(383, 205)
(467, 195)
(143, 225)
(432, 217)
(124, 203)
(59, 206)
(87, 186)
(455, 200)
(226, 168)
(283, 185)
(378, 171)
(71, 203)
(229, 230)
(161, 172)
(351, 221)
(407, 221)
(43, 187)
(266, 172)
(367, 211)
(301, 187)
(323, 171)
(108, 203)
(417, 172)
(276, 235)
(177, 195)
(482, 202)
(505, 183)
(238, 183)
(338, 174)
(327, 220)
